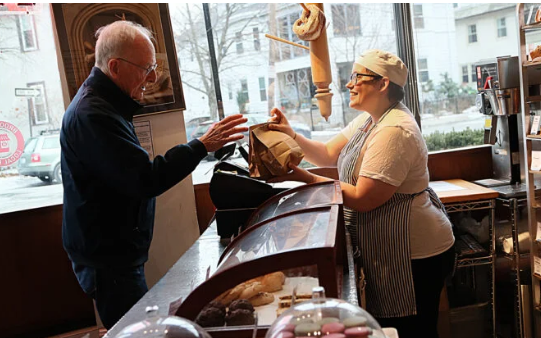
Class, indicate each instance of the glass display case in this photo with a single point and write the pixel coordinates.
(294, 241)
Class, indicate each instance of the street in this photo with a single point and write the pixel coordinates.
(21, 192)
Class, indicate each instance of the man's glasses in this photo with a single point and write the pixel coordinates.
(354, 78)
(146, 69)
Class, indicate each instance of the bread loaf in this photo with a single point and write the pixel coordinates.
(250, 290)
(273, 281)
(262, 298)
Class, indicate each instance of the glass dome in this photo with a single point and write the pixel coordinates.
(325, 317)
(155, 326)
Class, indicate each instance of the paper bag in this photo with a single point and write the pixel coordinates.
(271, 152)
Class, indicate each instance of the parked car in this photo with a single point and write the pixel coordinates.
(41, 158)
(192, 125)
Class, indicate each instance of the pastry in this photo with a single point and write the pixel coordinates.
(281, 310)
(217, 305)
(307, 330)
(309, 26)
(358, 332)
(251, 290)
(240, 317)
(332, 328)
(241, 304)
(536, 52)
(354, 321)
(273, 281)
(210, 317)
(298, 296)
(262, 298)
(232, 295)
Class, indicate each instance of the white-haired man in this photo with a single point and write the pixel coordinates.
(110, 184)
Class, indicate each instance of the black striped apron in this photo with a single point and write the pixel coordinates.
(382, 238)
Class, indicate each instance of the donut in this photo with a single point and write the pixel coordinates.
(309, 26)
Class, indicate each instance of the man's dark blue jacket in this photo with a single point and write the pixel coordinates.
(109, 181)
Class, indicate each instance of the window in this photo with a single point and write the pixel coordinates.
(449, 117)
(238, 39)
(422, 67)
(51, 143)
(285, 31)
(418, 20)
(502, 29)
(280, 75)
(262, 89)
(257, 43)
(472, 33)
(465, 74)
(38, 104)
(23, 61)
(346, 19)
(27, 33)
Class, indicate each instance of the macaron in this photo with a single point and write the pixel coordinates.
(335, 335)
(332, 328)
(358, 332)
(328, 320)
(354, 321)
(308, 330)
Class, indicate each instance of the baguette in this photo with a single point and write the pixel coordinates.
(261, 298)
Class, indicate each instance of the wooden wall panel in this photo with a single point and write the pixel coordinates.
(468, 164)
(40, 294)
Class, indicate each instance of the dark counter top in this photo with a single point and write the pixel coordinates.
(191, 270)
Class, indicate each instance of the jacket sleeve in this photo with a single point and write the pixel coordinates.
(109, 150)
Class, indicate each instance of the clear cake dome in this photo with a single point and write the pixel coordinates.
(155, 326)
(325, 317)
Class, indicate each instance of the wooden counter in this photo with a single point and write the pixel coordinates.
(453, 191)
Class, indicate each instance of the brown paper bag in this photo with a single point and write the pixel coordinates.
(271, 152)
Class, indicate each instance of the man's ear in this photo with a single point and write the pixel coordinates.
(113, 66)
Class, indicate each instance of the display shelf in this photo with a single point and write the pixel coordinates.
(532, 27)
(474, 261)
(531, 175)
(532, 99)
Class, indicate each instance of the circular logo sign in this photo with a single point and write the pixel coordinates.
(11, 144)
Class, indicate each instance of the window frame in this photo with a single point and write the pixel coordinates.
(465, 74)
(33, 106)
(238, 41)
(257, 41)
(345, 12)
(22, 40)
(262, 90)
(418, 18)
(501, 29)
(472, 33)
(423, 71)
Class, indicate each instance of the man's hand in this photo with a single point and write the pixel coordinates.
(224, 132)
(281, 123)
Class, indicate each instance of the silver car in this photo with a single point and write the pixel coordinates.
(41, 158)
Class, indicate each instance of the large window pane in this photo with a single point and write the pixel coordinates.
(466, 34)
(30, 104)
(272, 74)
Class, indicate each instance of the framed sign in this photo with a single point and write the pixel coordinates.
(76, 25)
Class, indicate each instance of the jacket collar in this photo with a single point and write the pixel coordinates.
(123, 104)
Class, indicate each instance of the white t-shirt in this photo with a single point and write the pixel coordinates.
(395, 153)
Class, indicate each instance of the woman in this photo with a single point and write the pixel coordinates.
(397, 222)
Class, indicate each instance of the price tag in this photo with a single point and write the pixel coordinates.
(537, 265)
(536, 160)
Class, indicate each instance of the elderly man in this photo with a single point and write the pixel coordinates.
(110, 184)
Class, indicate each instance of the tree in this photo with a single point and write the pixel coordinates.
(447, 87)
(191, 40)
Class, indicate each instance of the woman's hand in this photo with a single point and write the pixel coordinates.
(298, 175)
(281, 123)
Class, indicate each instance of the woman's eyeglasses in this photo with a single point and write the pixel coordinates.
(354, 78)
(146, 69)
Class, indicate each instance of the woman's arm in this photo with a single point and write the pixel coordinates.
(318, 153)
(367, 195)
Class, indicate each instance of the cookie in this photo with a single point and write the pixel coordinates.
(358, 332)
(333, 328)
(307, 330)
(354, 321)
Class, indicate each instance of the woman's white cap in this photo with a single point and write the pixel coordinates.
(385, 64)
